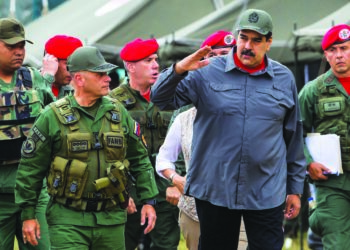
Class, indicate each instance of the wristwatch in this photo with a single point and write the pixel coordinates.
(171, 178)
(152, 202)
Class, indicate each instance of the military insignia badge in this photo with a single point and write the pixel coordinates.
(332, 106)
(253, 18)
(344, 34)
(28, 147)
(79, 146)
(137, 129)
(38, 134)
(144, 141)
(115, 141)
(17, 29)
(228, 39)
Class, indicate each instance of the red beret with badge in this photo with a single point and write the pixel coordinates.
(220, 39)
(336, 35)
(62, 46)
(139, 49)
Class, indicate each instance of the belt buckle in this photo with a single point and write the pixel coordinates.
(91, 205)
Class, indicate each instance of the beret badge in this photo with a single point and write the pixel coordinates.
(344, 34)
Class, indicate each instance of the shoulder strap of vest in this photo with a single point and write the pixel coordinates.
(114, 115)
(323, 82)
(123, 95)
(64, 111)
(24, 78)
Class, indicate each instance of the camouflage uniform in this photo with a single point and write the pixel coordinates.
(21, 102)
(83, 154)
(325, 108)
(154, 124)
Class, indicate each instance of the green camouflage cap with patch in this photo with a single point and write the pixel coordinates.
(256, 20)
(88, 58)
(12, 31)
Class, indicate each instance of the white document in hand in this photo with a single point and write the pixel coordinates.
(325, 149)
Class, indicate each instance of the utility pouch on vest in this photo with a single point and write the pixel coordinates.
(79, 145)
(77, 175)
(115, 184)
(118, 176)
(29, 104)
(331, 106)
(56, 181)
(109, 188)
(114, 146)
(163, 120)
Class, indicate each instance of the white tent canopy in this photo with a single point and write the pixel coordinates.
(87, 20)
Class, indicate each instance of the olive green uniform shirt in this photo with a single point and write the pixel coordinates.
(35, 166)
(154, 124)
(332, 121)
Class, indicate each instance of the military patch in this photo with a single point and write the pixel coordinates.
(115, 141)
(39, 135)
(79, 146)
(144, 141)
(253, 18)
(70, 118)
(115, 116)
(228, 39)
(344, 34)
(17, 29)
(331, 106)
(137, 129)
(28, 147)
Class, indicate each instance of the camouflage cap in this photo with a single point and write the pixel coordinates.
(88, 59)
(12, 31)
(256, 20)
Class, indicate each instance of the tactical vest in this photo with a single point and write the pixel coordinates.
(154, 124)
(90, 171)
(18, 110)
(333, 114)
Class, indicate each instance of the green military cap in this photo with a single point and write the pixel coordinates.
(12, 31)
(257, 20)
(88, 58)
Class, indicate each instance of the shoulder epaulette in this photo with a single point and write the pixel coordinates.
(64, 111)
(123, 95)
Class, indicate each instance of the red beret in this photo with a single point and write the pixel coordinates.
(62, 46)
(219, 39)
(138, 49)
(336, 35)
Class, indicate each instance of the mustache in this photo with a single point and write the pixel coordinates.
(247, 52)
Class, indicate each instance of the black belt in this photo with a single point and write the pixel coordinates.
(86, 204)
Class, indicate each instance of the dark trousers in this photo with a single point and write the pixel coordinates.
(220, 227)
(164, 236)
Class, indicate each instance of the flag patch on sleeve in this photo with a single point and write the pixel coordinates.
(137, 129)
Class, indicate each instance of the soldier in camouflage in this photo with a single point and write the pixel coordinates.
(141, 62)
(87, 146)
(23, 96)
